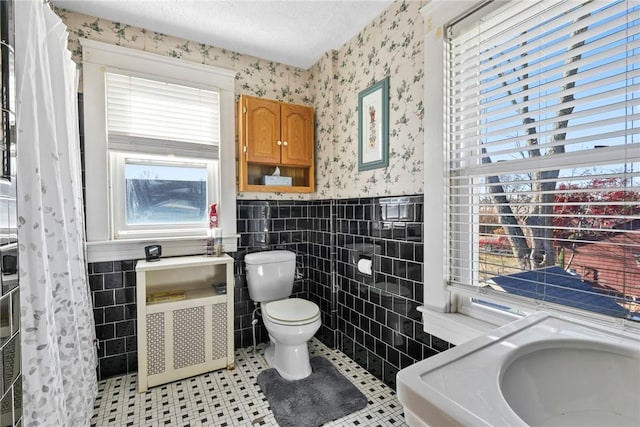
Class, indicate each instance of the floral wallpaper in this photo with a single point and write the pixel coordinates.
(255, 76)
(390, 46)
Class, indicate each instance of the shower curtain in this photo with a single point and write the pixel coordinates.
(57, 326)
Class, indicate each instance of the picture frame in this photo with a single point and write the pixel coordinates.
(373, 126)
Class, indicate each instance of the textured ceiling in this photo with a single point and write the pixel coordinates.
(291, 32)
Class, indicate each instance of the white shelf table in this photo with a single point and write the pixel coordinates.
(189, 336)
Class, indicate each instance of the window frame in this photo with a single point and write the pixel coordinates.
(118, 194)
(453, 316)
(99, 58)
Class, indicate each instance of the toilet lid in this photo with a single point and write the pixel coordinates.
(292, 310)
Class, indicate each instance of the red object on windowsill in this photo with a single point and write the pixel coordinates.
(213, 216)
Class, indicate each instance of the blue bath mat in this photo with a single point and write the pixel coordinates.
(323, 396)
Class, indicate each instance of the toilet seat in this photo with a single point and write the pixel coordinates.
(292, 311)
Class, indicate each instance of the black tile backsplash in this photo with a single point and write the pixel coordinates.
(268, 225)
(114, 313)
(372, 318)
(378, 324)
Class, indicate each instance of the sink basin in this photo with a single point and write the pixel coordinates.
(537, 371)
(573, 383)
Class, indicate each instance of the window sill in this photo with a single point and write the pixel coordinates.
(119, 250)
(456, 328)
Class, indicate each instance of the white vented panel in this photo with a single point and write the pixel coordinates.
(219, 330)
(155, 343)
(188, 337)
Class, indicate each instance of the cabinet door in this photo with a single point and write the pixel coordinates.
(297, 135)
(262, 130)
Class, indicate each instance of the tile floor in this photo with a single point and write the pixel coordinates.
(232, 398)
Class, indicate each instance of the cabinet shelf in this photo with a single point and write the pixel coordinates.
(189, 295)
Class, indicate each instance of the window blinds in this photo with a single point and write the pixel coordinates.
(544, 154)
(152, 115)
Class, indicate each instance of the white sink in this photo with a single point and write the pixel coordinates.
(539, 371)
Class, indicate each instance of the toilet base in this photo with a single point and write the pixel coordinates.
(291, 361)
(288, 351)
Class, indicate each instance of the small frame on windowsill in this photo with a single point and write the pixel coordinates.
(373, 126)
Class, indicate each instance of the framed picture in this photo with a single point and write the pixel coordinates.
(373, 126)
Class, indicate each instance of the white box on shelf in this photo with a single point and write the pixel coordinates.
(284, 181)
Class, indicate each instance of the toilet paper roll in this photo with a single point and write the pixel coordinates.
(364, 266)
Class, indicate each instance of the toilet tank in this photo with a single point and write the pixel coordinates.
(270, 275)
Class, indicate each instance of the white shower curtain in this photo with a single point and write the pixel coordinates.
(57, 326)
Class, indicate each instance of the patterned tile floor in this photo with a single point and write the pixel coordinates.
(232, 398)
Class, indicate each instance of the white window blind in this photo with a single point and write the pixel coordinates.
(151, 115)
(544, 155)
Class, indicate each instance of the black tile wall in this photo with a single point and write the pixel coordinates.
(114, 308)
(268, 225)
(377, 323)
(322, 267)
(373, 319)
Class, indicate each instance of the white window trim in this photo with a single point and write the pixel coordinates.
(97, 57)
(439, 311)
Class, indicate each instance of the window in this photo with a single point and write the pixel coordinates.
(159, 148)
(157, 194)
(153, 127)
(543, 166)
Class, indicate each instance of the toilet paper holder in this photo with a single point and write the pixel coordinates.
(365, 265)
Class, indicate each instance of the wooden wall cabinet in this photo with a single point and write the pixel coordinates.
(184, 337)
(274, 134)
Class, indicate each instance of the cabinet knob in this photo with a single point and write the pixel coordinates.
(285, 143)
(279, 142)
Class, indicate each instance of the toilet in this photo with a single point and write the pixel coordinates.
(290, 322)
